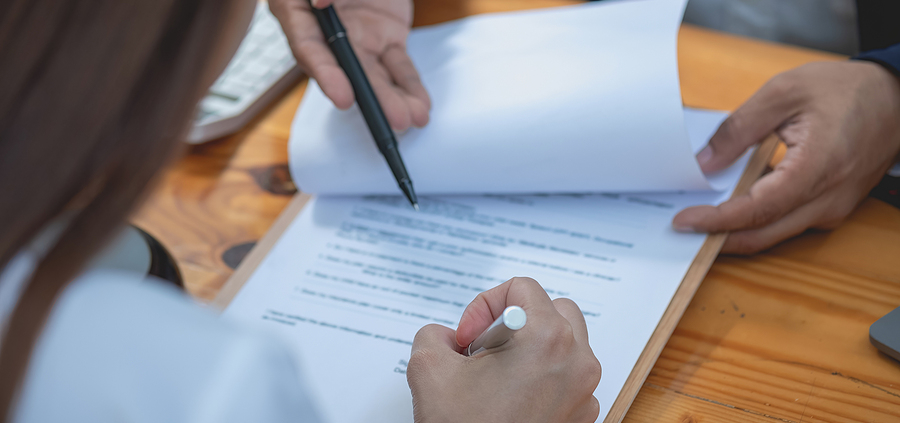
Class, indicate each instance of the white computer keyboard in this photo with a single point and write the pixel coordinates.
(262, 68)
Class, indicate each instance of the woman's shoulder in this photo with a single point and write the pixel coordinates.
(118, 347)
(107, 311)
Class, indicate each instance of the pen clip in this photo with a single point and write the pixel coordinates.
(334, 37)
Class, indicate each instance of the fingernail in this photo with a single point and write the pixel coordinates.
(684, 229)
(705, 155)
(315, 3)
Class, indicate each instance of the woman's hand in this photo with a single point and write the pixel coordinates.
(545, 373)
(377, 30)
(841, 125)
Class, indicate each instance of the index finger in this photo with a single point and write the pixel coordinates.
(775, 103)
(489, 305)
(770, 198)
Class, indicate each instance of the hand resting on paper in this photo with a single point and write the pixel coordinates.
(841, 125)
(377, 30)
(545, 373)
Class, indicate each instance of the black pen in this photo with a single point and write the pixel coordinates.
(378, 124)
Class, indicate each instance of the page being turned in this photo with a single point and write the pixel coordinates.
(572, 99)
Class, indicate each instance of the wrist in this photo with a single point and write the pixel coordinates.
(888, 78)
(879, 87)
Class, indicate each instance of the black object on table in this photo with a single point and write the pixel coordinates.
(162, 265)
(888, 190)
(885, 334)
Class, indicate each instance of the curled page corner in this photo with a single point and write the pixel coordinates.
(701, 124)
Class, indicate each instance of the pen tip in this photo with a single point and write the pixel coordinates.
(407, 188)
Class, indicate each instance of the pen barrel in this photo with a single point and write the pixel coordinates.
(501, 330)
(395, 162)
(368, 103)
(328, 21)
(380, 128)
(494, 337)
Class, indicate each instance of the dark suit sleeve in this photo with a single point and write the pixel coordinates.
(887, 57)
(879, 33)
(878, 24)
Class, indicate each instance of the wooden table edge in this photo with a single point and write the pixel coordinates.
(685, 292)
(259, 252)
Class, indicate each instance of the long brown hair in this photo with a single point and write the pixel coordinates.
(94, 98)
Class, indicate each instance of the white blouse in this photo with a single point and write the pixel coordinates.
(121, 349)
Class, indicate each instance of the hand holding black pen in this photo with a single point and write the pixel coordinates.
(378, 30)
(336, 37)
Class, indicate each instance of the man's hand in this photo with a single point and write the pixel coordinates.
(545, 373)
(377, 30)
(841, 125)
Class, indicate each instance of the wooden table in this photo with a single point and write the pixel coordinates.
(778, 337)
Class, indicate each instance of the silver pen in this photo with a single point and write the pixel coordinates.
(512, 319)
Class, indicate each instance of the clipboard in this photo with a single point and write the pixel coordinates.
(664, 329)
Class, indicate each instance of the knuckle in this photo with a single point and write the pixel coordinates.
(409, 77)
(732, 129)
(566, 303)
(558, 338)
(523, 280)
(562, 334)
(588, 411)
(420, 360)
(782, 85)
(482, 297)
(592, 370)
(525, 284)
(805, 184)
(424, 336)
(594, 412)
(596, 369)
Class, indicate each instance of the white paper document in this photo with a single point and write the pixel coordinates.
(574, 99)
(353, 279)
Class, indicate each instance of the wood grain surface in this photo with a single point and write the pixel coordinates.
(777, 337)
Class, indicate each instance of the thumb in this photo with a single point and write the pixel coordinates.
(775, 103)
(433, 355)
(489, 305)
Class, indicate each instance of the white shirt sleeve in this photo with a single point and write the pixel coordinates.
(120, 349)
(256, 382)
